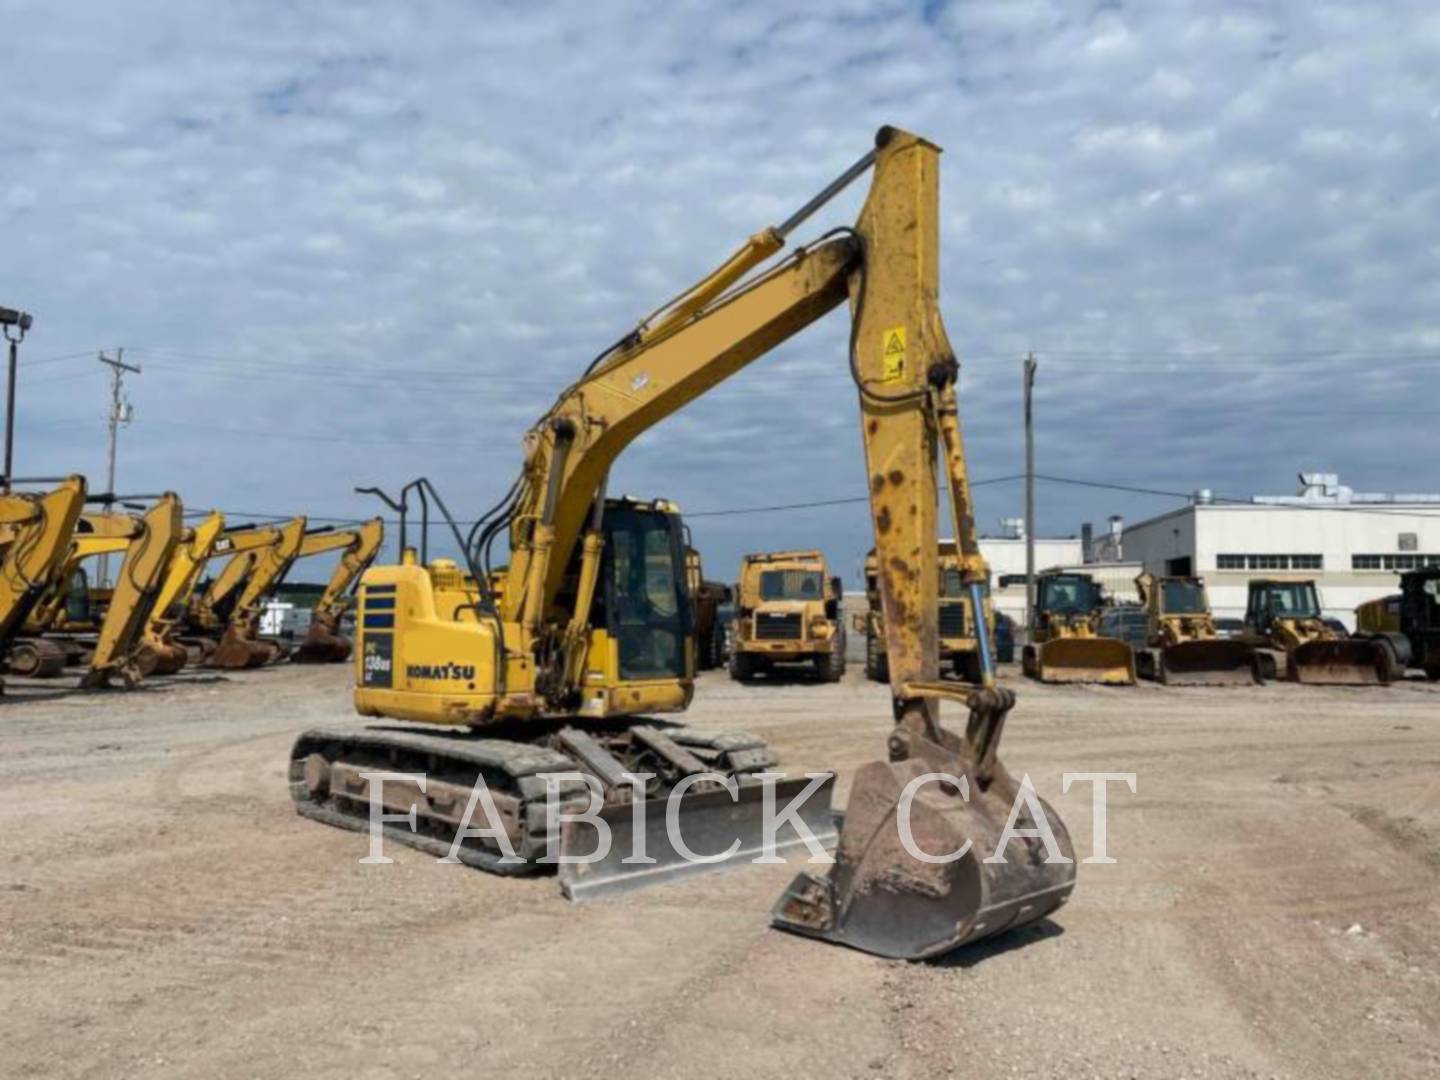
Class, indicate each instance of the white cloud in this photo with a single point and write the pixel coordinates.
(401, 228)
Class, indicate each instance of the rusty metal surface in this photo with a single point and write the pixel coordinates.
(1215, 662)
(1343, 662)
(880, 899)
(1082, 660)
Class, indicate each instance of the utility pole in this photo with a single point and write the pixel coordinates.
(1029, 495)
(15, 324)
(121, 412)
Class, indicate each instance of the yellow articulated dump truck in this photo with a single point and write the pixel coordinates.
(1064, 644)
(787, 612)
(960, 640)
(706, 599)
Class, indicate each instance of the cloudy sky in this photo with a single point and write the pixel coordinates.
(352, 243)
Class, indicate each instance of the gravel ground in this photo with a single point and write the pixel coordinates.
(1272, 910)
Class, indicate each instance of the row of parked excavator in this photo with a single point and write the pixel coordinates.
(158, 615)
(1174, 638)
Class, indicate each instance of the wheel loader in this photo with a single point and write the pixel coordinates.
(1182, 647)
(103, 627)
(787, 614)
(1064, 646)
(959, 643)
(35, 534)
(1284, 624)
(1406, 625)
(565, 668)
(707, 597)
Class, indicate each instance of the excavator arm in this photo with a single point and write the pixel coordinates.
(323, 642)
(37, 530)
(159, 651)
(267, 565)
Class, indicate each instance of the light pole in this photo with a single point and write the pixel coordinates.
(16, 323)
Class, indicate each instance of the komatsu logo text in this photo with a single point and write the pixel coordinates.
(463, 672)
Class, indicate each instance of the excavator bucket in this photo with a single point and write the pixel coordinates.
(1082, 660)
(235, 652)
(1343, 662)
(880, 898)
(161, 658)
(707, 823)
(1216, 662)
(321, 646)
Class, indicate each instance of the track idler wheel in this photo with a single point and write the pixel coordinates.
(882, 899)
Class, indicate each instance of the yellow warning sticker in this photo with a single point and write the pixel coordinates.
(893, 359)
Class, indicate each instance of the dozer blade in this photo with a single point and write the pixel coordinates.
(708, 823)
(1086, 660)
(1347, 662)
(880, 898)
(1209, 663)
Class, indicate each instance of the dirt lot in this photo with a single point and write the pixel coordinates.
(1273, 910)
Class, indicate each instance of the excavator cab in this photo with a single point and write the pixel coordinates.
(1064, 647)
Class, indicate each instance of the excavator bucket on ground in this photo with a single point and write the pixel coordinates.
(1342, 662)
(881, 899)
(1214, 662)
(1081, 660)
(322, 644)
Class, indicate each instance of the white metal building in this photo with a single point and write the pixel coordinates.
(1006, 556)
(1351, 543)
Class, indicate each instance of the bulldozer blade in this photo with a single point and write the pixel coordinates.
(1086, 660)
(1209, 663)
(881, 899)
(709, 823)
(1346, 662)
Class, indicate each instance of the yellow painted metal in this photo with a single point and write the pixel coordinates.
(35, 531)
(957, 572)
(818, 631)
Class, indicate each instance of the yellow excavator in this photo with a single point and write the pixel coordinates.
(1182, 647)
(323, 643)
(559, 672)
(35, 533)
(148, 542)
(1285, 624)
(225, 619)
(161, 652)
(1064, 646)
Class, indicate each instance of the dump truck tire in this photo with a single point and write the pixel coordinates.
(742, 667)
(877, 664)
